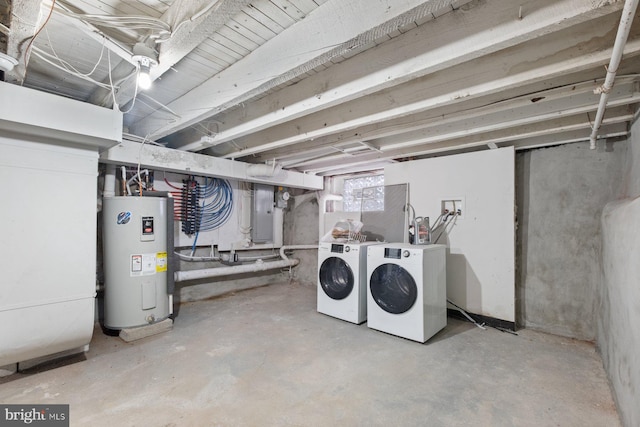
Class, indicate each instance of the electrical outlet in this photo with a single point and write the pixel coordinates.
(453, 205)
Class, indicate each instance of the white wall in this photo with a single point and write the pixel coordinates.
(480, 255)
(618, 334)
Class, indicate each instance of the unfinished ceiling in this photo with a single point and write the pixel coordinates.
(335, 86)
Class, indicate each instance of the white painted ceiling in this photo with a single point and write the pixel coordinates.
(336, 86)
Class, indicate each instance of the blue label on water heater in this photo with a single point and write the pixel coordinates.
(124, 217)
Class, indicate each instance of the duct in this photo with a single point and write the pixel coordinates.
(628, 12)
(182, 276)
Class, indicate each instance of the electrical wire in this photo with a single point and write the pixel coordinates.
(67, 64)
(37, 53)
(28, 49)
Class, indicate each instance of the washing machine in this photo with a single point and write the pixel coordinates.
(342, 280)
(407, 291)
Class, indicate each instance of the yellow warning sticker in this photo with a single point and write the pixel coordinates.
(161, 262)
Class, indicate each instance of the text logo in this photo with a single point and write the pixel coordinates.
(124, 217)
(34, 415)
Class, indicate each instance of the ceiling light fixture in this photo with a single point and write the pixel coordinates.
(146, 57)
(7, 62)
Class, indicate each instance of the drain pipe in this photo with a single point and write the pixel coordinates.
(628, 12)
(181, 276)
(285, 262)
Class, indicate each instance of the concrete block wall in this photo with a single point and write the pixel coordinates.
(618, 336)
(560, 194)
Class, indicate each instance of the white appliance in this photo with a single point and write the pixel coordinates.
(342, 280)
(407, 291)
(48, 170)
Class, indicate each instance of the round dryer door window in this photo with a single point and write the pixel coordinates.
(336, 278)
(393, 288)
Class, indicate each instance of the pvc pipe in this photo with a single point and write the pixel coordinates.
(628, 12)
(181, 276)
(110, 182)
(278, 227)
(124, 181)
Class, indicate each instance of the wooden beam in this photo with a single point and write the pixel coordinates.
(170, 160)
(443, 90)
(300, 48)
(186, 38)
(440, 44)
(578, 126)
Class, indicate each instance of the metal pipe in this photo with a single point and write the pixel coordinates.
(181, 276)
(628, 12)
(294, 247)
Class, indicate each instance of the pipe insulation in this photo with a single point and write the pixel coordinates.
(628, 12)
(182, 276)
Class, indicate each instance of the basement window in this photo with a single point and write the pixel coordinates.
(364, 194)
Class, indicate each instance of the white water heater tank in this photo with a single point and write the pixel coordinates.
(135, 261)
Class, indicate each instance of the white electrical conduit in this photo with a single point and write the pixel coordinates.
(628, 12)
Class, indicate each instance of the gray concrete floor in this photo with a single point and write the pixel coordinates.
(266, 357)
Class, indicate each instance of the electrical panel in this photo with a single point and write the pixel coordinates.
(262, 213)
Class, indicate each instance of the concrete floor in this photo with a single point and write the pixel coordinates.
(266, 357)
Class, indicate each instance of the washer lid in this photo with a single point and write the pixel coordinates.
(393, 288)
(336, 278)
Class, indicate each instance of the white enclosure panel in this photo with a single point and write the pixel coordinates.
(44, 115)
(32, 332)
(48, 251)
(481, 245)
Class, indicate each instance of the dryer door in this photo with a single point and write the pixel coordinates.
(393, 288)
(336, 278)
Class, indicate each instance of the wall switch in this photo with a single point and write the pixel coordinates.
(453, 205)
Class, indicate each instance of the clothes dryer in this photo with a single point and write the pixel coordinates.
(406, 292)
(342, 280)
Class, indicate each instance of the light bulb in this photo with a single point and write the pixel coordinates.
(144, 79)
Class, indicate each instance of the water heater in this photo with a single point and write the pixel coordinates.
(136, 261)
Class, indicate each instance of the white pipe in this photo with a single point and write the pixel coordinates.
(181, 276)
(110, 182)
(278, 227)
(294, 247)
(124, 180)
(628, 12)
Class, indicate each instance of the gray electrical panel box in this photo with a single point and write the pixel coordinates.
(262, 213)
